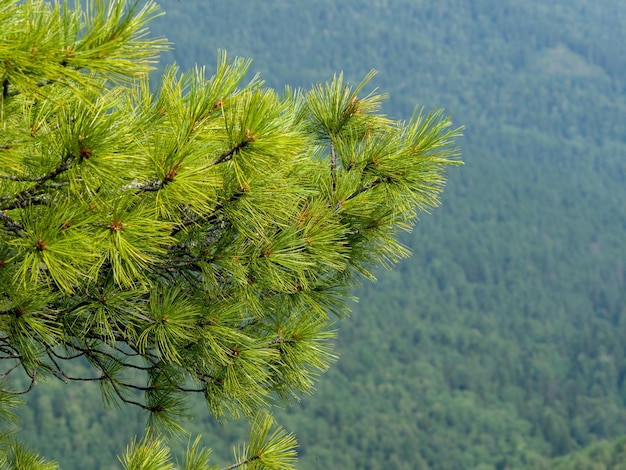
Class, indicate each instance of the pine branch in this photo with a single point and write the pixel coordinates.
(67, 358)
(243, 462)
(22, 179)
(26, 197)
(4, 375)
(361, 190)
(115, 386)
(229, 154)
(157, 184)
(154, 340)
(90, 352)
(63, 376)
(333, 166)
(9, 94)
(15, 227)
(26, 390)
(58, 372)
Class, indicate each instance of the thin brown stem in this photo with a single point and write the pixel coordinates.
(363, 189)
(25, 391)
(229, 154)
(24, 179)
(333, 166)
(27, 196)
(12, 225)
(243, 462)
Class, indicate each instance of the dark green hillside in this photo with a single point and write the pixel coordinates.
(502, 342)
(604, 455)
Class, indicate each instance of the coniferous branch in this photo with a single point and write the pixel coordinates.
(62, 375)
(15, 227)
(31, 384)
(358, 191)
(106, 376)
(90, 353)
(56, 370)
(226, 156)
(66, 358)
(27, 196)
(24, 179)
(333, 166)
(241, 463)
(193, 235)
(11, 94)
(12, 368)
(153, 185)
(22, 202)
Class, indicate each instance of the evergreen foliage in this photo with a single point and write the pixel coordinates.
(198, 239)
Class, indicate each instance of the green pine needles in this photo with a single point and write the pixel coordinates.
(196, 239)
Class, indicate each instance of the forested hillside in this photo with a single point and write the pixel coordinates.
(501, 343)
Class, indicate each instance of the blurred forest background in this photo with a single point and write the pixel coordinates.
(501, 344)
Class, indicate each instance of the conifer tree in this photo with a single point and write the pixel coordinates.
(198, 236)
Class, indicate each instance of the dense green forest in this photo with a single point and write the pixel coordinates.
(501, 344)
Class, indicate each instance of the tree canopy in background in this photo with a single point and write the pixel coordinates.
(198, 237)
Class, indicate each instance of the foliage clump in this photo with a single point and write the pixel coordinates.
(197, 237)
